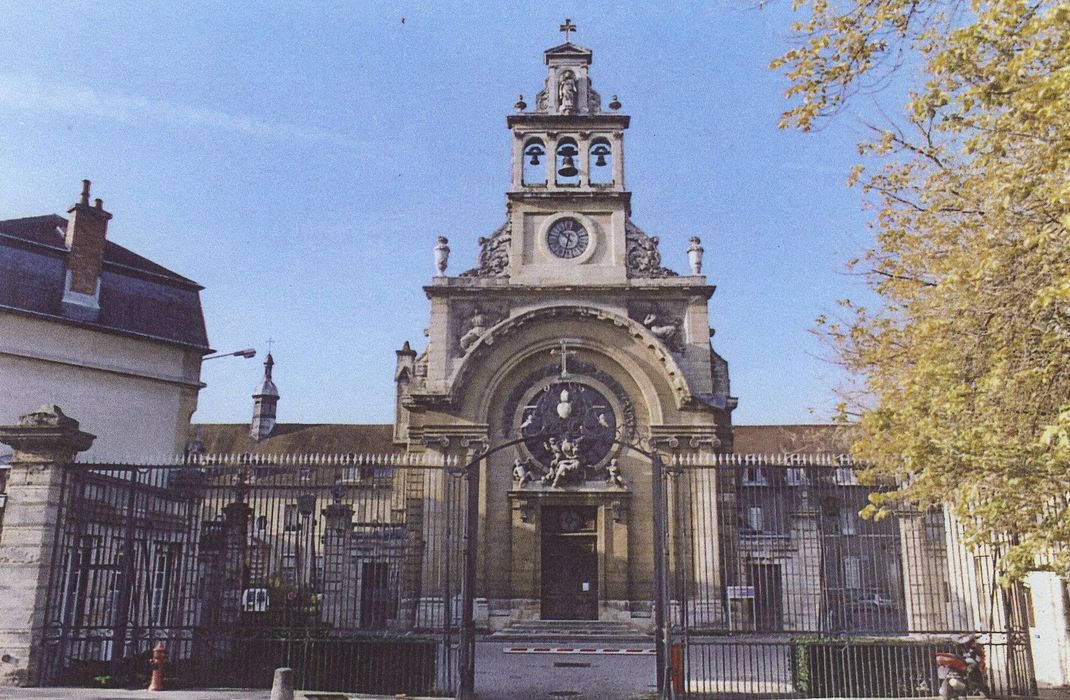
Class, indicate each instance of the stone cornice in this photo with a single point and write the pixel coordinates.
(568, 122)
(636, 288)
(572, 196)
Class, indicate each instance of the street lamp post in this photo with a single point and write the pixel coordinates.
(247, 353)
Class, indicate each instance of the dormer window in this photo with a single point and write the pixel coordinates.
(534, 168)
(568, 174)
(600, 162)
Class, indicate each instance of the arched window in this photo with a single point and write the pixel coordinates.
(534, 172)
(567, 165)
(600, 162)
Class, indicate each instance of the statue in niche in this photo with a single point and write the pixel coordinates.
(667, 332)
(478, 325)
(614, 476)
(566, 93)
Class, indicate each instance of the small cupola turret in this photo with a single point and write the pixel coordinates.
(265, 401)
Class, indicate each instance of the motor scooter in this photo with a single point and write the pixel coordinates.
(962, 670)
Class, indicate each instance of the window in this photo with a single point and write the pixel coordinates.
(848, 521)
(76, 565)
(934, 526)
(288, 568)
(796, 476)
(291, 519)
(755, 520)
(852, 572)
(753, 476)
(163, 575)
(845, 476)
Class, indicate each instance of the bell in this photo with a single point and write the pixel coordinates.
(600, 152)
(567, 153)
(534, 151)
(568, 168)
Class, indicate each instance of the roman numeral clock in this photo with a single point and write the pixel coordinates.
(567, 238)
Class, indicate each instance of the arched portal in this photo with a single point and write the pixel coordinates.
(564, 510)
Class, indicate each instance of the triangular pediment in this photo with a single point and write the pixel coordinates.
(568, 50)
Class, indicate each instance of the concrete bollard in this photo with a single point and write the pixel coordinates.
(282, 688)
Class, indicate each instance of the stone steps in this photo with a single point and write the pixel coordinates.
(559, 630)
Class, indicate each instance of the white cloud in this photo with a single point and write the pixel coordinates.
(27, 92)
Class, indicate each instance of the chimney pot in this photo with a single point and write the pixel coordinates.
(98, 203)
(87, 229)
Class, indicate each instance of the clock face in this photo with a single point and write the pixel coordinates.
(567, 238)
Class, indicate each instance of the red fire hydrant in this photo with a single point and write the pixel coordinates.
(159, 663)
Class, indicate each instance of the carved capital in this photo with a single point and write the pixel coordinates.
(440, 441)
(711, 441)
(670, 441)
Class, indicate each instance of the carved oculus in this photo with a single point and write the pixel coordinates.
(567, 238)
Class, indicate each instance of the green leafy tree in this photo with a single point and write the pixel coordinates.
(962, 375)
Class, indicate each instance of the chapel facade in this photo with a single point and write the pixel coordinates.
(572, 338)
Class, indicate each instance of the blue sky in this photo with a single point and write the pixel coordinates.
(299, 159)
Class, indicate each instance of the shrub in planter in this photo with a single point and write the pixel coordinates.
(871, 667)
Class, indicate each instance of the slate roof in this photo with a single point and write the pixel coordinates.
(298, 438)
(137, 296)
(814, 438)
(333, 438)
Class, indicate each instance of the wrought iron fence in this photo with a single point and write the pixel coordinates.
(346, 568)
(779, 588)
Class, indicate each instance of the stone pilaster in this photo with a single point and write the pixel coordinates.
(803, 573)
(924, 572)
(45, 442)
(339, 571)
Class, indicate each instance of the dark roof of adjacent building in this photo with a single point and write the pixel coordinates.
(297, 438)
(813, 438)
(335, 438)
(137, 296)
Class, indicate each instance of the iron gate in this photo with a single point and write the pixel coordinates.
(777, 588)
(346, 568)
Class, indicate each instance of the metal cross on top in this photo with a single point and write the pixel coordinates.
(567, 28)
(564, 352)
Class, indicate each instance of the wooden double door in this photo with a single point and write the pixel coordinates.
(570, 563)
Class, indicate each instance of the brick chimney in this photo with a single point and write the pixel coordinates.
(86, 231)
